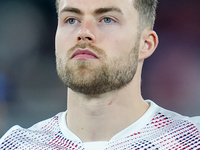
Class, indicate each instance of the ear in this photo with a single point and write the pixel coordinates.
(149, 42)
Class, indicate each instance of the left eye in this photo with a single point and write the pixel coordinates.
(108, 20)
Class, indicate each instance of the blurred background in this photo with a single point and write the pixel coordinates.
(30, 90)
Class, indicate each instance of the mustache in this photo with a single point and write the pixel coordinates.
(98, 51)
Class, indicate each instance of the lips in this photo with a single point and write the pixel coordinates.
(84, 54)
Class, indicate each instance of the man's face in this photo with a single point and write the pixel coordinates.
(97, 44)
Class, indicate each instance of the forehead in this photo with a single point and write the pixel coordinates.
(91, 5)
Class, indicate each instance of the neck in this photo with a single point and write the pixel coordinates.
(100, 118)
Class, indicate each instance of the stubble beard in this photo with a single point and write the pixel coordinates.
(112, 75)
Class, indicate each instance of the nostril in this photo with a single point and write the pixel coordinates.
(86, 38)
(89, 39)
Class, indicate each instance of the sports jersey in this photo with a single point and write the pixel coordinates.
(157, 129)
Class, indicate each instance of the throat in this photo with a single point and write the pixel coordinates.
(93, 128)
(99, 126)
(101, 118)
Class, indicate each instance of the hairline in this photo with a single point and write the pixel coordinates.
(142, 24)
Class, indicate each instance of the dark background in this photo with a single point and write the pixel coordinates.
(30, 90)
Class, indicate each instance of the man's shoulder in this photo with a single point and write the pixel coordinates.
(158, 110)
(176, 117)
(172, 125)
(41, 132)
(164, 129)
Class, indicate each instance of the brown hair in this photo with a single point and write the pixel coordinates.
(146, 10)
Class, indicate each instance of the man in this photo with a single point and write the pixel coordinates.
(100, 50)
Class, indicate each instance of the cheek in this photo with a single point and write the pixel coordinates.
(63, 43)
(115, 48)
(118, 42)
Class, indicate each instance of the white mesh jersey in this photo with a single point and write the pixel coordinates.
(157, 129)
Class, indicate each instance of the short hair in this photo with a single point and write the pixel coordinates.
(57, 5)
(146, 10)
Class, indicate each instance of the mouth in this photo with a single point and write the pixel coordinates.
(84, 54)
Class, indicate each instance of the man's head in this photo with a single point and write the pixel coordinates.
(145, 8)
(99, 44)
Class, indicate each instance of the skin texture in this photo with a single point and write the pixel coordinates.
(104, 91)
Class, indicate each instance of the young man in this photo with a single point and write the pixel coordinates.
(100, 50)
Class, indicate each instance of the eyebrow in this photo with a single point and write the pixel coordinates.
(107, 9)
(71, 9)
(96, 11)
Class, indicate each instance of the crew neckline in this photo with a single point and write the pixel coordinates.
(135, 127)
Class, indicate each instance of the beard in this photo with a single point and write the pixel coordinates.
(82, 77)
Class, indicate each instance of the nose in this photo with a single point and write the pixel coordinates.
(86, 32)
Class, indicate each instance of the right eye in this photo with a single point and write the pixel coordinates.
(71, 21)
